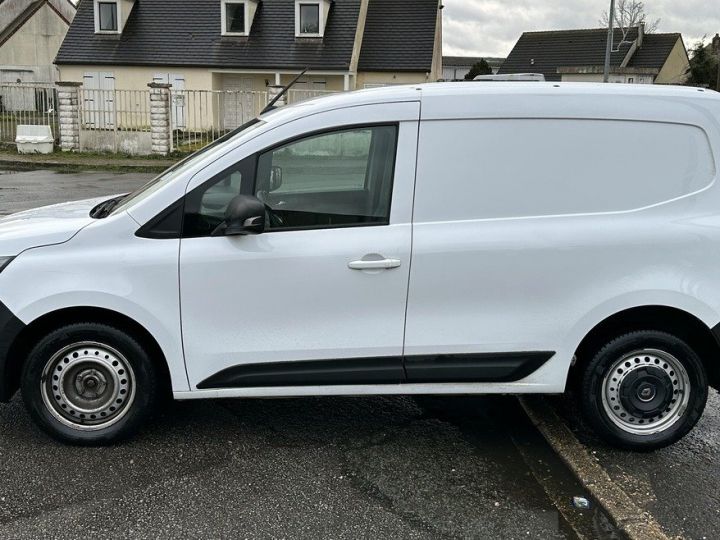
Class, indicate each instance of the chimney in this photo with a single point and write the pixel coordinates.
(716, 44)
(641, 34)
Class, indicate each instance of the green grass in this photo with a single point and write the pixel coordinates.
(77, 161)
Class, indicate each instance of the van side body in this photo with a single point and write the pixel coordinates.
(522, 219)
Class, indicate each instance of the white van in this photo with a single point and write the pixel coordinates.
(457, 238)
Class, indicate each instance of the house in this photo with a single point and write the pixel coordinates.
(31, 32)
(579, 55)
(456, 67)
(251, 44)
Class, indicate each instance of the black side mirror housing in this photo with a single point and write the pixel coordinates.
(244, 215)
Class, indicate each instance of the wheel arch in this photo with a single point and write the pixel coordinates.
(686, 326)
(35, 330)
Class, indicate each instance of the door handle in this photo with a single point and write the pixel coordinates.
(381, 264)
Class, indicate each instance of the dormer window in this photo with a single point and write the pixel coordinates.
(236, 17)
(311, 17)
(106, 17)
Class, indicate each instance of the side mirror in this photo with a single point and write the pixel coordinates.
(276, 178)
(244, 215)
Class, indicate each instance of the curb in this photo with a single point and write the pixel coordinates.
(32, 164)
(633, 521)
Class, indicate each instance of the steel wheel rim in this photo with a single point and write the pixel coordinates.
(88, 386)
(646, 392)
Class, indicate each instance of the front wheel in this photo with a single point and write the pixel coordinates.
(88, 384)
(644, 390)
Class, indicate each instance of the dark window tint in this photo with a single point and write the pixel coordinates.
(235, 18)
(205, 206)
(335, 179)
(309, 19)
(108, 16)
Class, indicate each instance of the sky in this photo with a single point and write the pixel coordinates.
(491, 27)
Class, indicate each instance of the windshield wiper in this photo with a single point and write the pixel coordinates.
(103, 209)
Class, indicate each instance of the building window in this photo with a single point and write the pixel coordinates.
(234, 18)
(310, 19)
(107, 16)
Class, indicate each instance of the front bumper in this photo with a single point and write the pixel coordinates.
(10, 329)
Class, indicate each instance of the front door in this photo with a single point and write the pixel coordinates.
(319, 298)
(99, 100)
(240, 103)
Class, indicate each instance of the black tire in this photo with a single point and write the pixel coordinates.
(125, 393)
(636, 353)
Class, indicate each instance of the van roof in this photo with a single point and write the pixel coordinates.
(453, 89)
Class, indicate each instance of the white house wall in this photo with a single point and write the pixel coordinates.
(138, 77)
(676, 66)
(379, 78)
(614, 78)
(34, 45)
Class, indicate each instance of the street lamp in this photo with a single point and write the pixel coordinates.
(608, 48)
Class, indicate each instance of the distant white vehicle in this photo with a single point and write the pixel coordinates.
(436, 239)
(534, 77)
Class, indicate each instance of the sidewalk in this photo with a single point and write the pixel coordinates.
(74, 161)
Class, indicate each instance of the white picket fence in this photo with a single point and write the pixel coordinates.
(22, 104)
(116, 120)
(201, 116)
(119, 120)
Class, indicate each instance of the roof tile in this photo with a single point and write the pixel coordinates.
(544, 52)
(187, 33)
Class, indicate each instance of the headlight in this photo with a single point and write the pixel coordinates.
(4, 261)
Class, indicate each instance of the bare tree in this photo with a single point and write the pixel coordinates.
(628, 14)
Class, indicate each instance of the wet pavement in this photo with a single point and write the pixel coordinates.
(331, 467)
(24, 190)
(311, 468)
(679, 485)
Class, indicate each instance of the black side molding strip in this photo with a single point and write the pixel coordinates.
(379, 370)
(482, 367)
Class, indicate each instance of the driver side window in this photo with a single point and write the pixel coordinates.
(337, 179)
(205, 206)
(341, 178)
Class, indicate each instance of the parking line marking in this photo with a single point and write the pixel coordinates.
(628, 517)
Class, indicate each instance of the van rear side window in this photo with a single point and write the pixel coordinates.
(484, 169)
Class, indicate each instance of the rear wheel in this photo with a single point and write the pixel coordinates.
(88, 384)
(644, 390)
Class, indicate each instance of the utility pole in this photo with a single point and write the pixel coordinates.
(608, 48)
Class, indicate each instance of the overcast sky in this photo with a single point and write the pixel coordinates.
(491, 27)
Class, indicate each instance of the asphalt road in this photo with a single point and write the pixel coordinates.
(331, 467)
(310, 468)
(23, 190)
(679, 485)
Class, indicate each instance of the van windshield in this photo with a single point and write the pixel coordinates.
(119, 204)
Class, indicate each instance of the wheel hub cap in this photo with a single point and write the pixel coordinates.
(88, 386)
(645, 392)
